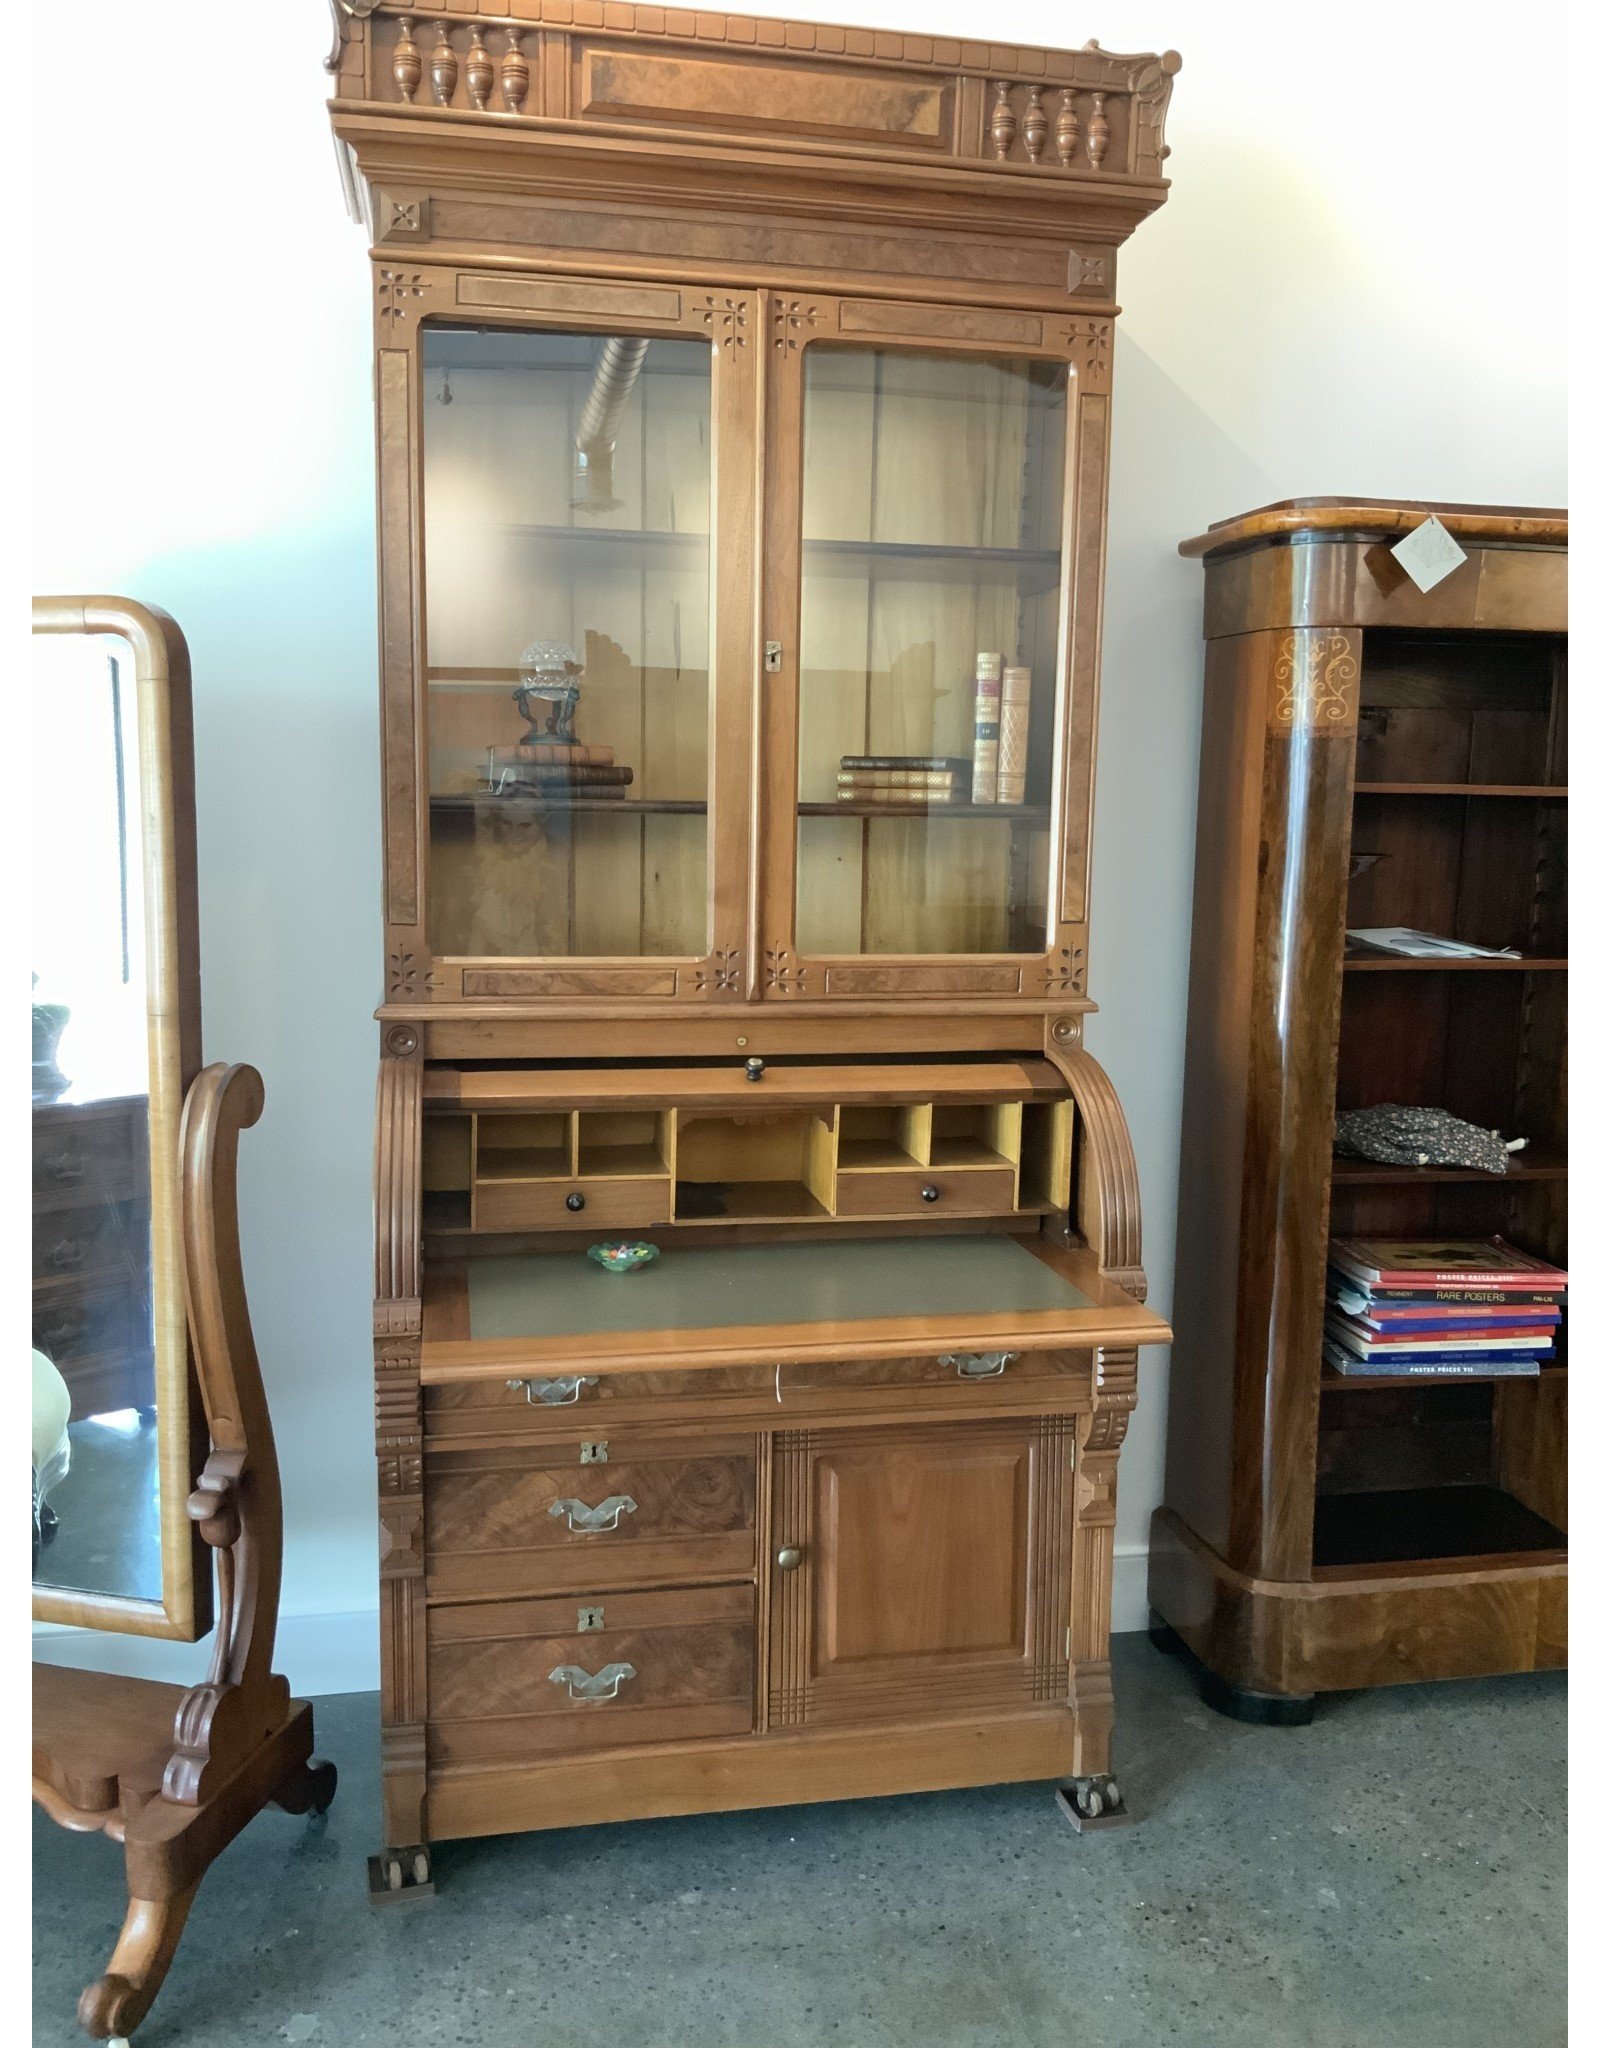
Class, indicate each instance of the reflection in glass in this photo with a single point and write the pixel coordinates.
(96, 1495)
(566, 491)
(932, 533)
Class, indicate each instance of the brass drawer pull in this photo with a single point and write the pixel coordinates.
(587, 1521)
(555, 1393)
(591, 1685)
(978, 1365)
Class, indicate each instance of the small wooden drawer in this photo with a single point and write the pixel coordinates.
(88, 1154)
(929, 1190)
(602, 1204)
(100, 1239)
(592, 1670)
(73, 1323)
(959, 1382)
(622, 1511)
(539, 1403)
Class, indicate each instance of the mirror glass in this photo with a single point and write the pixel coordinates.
(96, 1468)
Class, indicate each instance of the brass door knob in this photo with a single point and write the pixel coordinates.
(788, 1558)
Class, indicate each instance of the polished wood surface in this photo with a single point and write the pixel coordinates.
(853, 250)
(173, 1775)
(164, 720)
(1400, 763)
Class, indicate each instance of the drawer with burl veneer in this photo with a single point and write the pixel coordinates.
(549, 1517)
(593, 1670)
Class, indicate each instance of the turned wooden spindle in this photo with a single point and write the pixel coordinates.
(1003, 122)
(443, 67)
(1099, 132)
(407, 61)
(1035, 125)
(1067, 126)
(514, 72)
(480, 71)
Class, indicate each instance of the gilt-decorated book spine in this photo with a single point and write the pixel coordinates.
(1011, 775)
(986, 730)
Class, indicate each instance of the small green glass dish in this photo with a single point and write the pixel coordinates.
(623, 1255)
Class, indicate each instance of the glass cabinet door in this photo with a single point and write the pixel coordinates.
(928, 585)
(566, 481)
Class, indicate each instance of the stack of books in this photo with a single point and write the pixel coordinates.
(557, 773)
(1422, 1308)
(914, 782)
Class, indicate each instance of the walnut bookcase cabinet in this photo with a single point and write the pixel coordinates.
(1372, 755)
(765, 369)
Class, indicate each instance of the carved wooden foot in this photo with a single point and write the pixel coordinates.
(1093, 1803)
(309, 1788)
(398, 1874)
(115, 2004)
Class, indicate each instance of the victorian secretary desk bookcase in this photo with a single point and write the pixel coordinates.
(742, 399)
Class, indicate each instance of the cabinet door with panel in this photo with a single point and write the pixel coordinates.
(919, 1569)
(936, 484)
(579, 492)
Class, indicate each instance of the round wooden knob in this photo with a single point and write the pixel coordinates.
(574, 1202)
(930, 1193)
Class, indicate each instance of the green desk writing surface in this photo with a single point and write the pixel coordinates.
(563, 1294)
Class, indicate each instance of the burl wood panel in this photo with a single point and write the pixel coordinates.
(493, 1521)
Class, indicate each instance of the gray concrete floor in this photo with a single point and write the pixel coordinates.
(1393, 1873)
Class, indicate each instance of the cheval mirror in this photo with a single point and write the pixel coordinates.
(118, 1431)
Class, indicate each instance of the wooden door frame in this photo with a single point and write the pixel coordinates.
(1083, 342)
(408, 295)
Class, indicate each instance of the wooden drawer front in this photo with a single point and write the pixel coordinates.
(101, 1238)
(88, 1155)
(501, 1520)
(541, 1404)
(979, 1191)
(542, 1204)
(71, 1323)
(959, 1381)
(633, 1668)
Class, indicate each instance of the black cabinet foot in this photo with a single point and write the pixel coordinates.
(397, 1874)
(1259, 1709)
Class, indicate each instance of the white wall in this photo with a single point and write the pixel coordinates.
(1354, 287)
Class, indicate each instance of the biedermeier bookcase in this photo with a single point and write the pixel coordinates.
(1372, 755)
(766, 370)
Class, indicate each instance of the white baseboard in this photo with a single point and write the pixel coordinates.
(327, 1653)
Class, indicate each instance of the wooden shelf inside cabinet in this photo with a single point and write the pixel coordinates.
(1031, 569)
(1535, 1162)
(1409, 1526)
(1016, 814)
(1552, 792)
(486, 805)
(1398, 963)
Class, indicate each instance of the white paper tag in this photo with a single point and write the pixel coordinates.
(1428, 554)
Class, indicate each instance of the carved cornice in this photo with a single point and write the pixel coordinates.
(1088, 115)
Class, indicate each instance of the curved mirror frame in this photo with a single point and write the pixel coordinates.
(166, 837)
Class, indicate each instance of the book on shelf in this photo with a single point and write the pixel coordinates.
(986, 729)
(547, 753)
(1011, 762)
(1505, 1366)
(932, 764)
(1380, 1313)
(1415, 945)
(578, 776)
(945, 779)
(1533, 1338)
(1420, 1262)
(1353, 1298)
